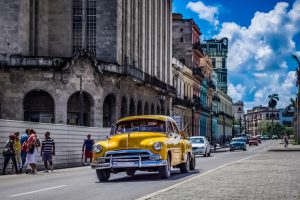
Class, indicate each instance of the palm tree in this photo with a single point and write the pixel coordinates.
(273, 98)
(292, 104)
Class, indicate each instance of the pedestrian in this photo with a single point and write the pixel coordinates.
(17, 147)
(24, 146)
(31, 158)
(87, 149)
(48, 151)
(286, 141)
(9, 153)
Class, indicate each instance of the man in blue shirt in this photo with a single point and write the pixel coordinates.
(23, 139)
(87, 149)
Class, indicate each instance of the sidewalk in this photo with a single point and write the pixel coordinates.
(272, 175)
(291, 147)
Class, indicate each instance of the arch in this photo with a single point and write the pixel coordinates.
(38, 107)
(157, 110)
(132, 108)
(146, 109)
(73, 109)
(124, 112)
(109, 110)
(139, 108)
(152, 112)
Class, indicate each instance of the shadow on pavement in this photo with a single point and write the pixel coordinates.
(151, 177)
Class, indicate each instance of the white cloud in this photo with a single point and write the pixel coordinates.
(236, 92)
(260, 51)
(208, 13)
(266, 42)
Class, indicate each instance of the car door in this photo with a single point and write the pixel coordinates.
(173, 143)
(179, 143)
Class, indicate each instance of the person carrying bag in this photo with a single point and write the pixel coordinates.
(9, 153)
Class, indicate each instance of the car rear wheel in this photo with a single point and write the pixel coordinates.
(244, 149)
(165, 171)
(103, 175)
(130, 172)
(205, 153)
(184, 167)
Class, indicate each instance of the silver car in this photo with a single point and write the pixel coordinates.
(201, 145)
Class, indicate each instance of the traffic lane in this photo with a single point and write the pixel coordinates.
(82, 183)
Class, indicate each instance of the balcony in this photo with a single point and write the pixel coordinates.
(198, 72)
(211, 85)
(153, 81)
(182, 102)
(133, 72)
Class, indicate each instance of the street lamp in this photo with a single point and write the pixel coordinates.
(240, 124)
(162, 99)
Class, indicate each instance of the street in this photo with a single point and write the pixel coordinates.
(82, 183)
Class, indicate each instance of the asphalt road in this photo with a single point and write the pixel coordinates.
(82, 183)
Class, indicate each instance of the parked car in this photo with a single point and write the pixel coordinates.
(201, 146)
(237, 144)
(253, 141)
(146, 143)
(264, 137)
(274, 137)
(258, 137)
(245, 139)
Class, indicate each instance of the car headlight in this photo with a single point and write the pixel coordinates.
(157, 146)
(97, 148)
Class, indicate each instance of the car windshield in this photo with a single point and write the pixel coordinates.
(143, 125)
(197, 140)
(237, 140)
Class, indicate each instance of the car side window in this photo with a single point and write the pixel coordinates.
(175, 129)
(170, 128)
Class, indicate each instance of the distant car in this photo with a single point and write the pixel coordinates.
(237, 144)
(258, 137)
(274, 137)
(200, 146)
(245, 139)
(264, 137)
(253, 141)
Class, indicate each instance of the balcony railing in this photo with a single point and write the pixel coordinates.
(198, 72)
(211, 85)
(182, 102)
(133, 72)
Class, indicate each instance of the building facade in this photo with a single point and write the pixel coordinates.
(225, 114)
(85, 62)
(238, 114)
(185, 109)
(217, 50)
(258, 115)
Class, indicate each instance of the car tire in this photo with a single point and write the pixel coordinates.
(244, 149)
(205, 153)
(193, 162)
(184, 167)
(103, 174)
(165, 171)
(249, 144)
(130, 172)
(256, 144)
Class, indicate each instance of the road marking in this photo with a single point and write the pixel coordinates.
(51, 188)
(188, 180)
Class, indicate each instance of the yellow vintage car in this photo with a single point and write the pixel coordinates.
(147, 143)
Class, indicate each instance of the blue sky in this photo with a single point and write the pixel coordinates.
(262, 36)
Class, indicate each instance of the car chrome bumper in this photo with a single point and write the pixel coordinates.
(128, 161)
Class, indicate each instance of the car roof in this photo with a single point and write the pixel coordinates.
(138, 117)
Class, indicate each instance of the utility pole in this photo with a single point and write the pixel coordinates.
(81, 104)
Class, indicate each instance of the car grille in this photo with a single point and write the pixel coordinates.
(128, 155)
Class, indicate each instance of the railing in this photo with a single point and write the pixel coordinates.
(133, 72)
(182, 102)
(211, 85)
(198, 72)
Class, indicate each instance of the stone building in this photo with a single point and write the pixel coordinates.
(260, 114)
(238, 114)
(217, 50)
(85, 62)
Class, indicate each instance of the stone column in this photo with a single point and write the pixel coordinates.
(142, 35)
(154, 39)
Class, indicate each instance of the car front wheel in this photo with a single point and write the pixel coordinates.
(193, 162)
(103, 175)
(184, 167)
(165, 171)
(130, 172)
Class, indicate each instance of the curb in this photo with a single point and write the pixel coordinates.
(283, 150)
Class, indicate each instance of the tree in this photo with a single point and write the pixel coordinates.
(273, 98)
(292, 105)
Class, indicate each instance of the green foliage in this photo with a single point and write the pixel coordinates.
(266, 128)
(273, 98)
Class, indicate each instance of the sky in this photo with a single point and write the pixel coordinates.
(263, 34)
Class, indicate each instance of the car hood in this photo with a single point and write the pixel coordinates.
(237, 143)
(134, 140)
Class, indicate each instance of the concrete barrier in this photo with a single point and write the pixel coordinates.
(68, 140)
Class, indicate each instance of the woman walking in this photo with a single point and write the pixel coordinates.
(9, 153)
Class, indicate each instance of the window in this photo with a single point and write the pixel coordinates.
(223, 63)
(77, 25)
(91, 26)
(213, 61)
(181, 30)
(169, 128)
(181, 39)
